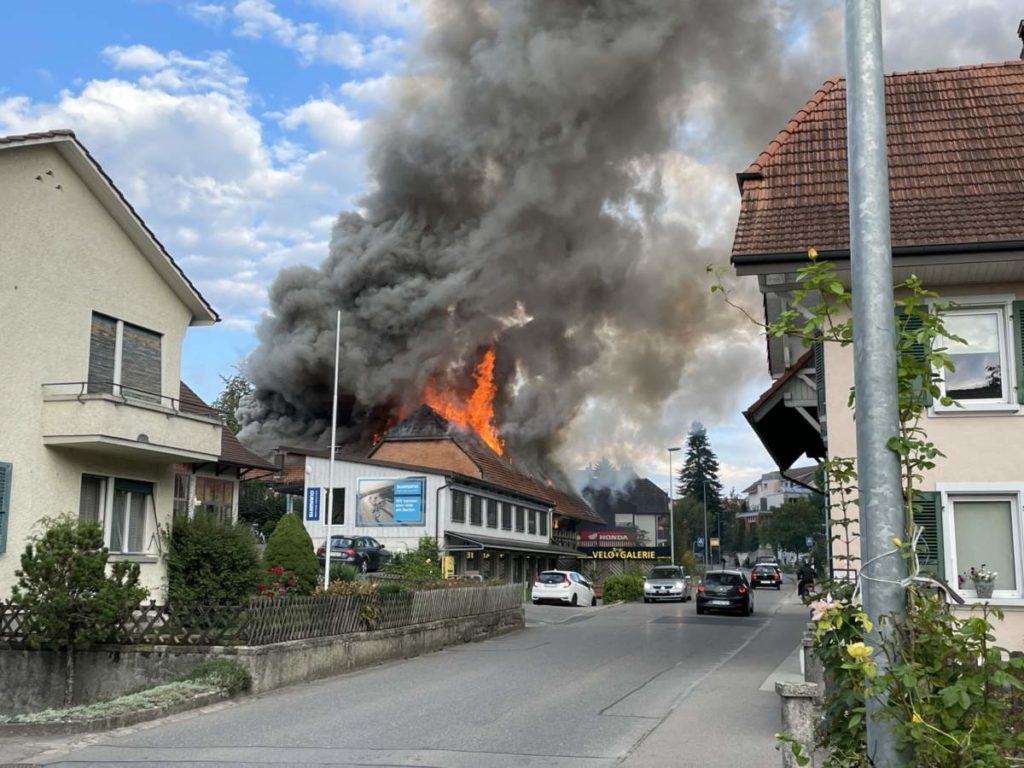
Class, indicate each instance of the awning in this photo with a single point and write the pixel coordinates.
(474, 543)
(785, 417)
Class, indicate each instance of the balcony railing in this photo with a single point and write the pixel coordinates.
(84, 390)
(567, 539)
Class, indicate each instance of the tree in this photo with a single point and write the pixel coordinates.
(789, 525)
(291, 548)
(699, 475)
(209, 560)
(260, 505)
(69, 600)
(236, 387)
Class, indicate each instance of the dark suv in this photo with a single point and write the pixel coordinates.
(725, 591)
(363, 552)
(766, 575)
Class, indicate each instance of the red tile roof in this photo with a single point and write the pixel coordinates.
(231, 450)
(426, 424)
(956, 166)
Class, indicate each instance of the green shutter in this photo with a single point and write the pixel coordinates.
(928, 515)
(913, 323)
(1018, 346)
(5, 502)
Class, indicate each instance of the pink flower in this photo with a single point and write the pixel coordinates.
(821, 607)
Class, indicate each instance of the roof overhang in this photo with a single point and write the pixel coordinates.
(785, 417)
(96, 179)
(471, 543)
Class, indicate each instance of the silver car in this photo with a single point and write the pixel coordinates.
(667, 582)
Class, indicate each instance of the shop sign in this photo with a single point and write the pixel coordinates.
(635, 553)
(606, 539)
(312, 504)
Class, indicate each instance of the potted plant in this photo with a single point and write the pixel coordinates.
(984, 580)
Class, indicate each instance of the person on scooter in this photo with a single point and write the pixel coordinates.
(805, 578)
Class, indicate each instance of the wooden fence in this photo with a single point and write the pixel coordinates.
(260, 621)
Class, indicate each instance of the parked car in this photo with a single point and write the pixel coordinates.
(567, 587)
(766, 575)
(667, 582)
(364, 552)
(725, 591)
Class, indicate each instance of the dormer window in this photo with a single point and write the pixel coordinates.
(124, 359)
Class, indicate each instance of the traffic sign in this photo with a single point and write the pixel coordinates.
(700, 542)
(714, 541)
(809, 541)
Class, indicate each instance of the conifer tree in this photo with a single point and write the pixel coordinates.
(699, 474)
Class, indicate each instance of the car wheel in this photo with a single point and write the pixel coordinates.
(646, 600)
(700, 611)
(778, 587)
(536, 602)
(750, 608)
(593, 601)
(574, 600)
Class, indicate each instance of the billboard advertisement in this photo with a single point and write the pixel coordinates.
(391, 501)
(590, 539)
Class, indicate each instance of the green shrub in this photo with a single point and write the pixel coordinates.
(71, 601)
(343, 572)
(226, 674)
(418, 568)
(627, 587)
(291, 548)
(210, 561)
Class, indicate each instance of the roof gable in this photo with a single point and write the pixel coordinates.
(956, 166)
(101, 185)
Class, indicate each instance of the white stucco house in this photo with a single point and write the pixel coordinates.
(95, 419)
(956, 163)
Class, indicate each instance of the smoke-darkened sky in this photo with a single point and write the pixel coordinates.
(575, 171)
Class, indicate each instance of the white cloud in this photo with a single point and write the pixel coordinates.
(134, 57)
(329, 123)
(389, 13)
(209, 13)
(370, 91)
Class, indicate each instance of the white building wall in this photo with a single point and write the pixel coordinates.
(62, 257)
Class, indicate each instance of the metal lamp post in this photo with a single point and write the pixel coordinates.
(707, 541)
(671, 509)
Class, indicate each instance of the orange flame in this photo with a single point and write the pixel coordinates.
(476, 413)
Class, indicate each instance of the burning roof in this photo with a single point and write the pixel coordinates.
(410, 442)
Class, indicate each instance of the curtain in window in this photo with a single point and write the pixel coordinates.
(182, 495)
(984, 535)
(119, 522)
(90, 500)
(137, 504)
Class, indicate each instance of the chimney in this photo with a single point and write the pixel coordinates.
(1020, 34)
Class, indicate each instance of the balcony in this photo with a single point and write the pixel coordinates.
(567, 539)
(137, 425)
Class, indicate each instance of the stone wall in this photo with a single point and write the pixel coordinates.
(34, 680)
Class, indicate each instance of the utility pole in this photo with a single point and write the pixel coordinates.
(707, 541)
(874, 348)
(671, 510)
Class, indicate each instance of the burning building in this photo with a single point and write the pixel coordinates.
(428, 476)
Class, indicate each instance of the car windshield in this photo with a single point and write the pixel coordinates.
(665, 573)
(728, 579)
(766, 569)
(340, 542)
(552, 577)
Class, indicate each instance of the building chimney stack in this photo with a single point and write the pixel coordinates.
(1020, 34)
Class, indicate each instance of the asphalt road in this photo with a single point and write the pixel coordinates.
(633, 685)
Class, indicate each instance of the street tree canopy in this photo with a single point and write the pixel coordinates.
(236, 387)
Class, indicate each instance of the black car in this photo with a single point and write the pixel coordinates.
(364, 552)
(725, 591)
(766, 575)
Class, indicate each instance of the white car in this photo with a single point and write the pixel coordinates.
(667, 582)
(567, 587)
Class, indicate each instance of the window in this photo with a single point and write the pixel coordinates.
(182, 494)
(6, 469)
(984, 371)
(492, 513)
(124, 359)
(520, 519)
(986, 531)
(764, 504)
(474, 510)
(215, 497)
(542, 520)
(533, 522)
(458, 507)
(337, 506)
(92, 498)
(132, 502)
(506, 517)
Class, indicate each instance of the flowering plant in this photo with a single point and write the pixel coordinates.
(983, 574)
(280, 583)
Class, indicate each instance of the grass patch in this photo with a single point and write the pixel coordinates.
(225, 674)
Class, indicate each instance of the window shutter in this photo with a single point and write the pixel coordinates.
(5, 502)
(819, 377)
(928, 515)
(1018, 346)
(916, 350)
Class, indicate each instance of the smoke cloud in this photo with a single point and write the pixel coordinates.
(524, 176)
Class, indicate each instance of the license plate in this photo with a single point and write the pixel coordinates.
(720, 602)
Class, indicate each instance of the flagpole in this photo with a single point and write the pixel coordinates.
(330, 470)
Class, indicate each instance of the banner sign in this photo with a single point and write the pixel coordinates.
(391, 501)
(649, 553)
(590, 539)
(312, 504)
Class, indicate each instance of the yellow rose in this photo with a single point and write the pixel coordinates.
(896, 540)
(859, 650)
(812, 253)
(917, 718)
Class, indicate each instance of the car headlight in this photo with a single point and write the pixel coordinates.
(678, 585)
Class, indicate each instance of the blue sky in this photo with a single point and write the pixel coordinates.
(236, 128)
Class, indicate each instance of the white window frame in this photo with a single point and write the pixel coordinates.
(1012, 492)
(1001, 306)
(107, 518)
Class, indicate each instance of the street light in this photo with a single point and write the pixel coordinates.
(671, 510)
(707, 541)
